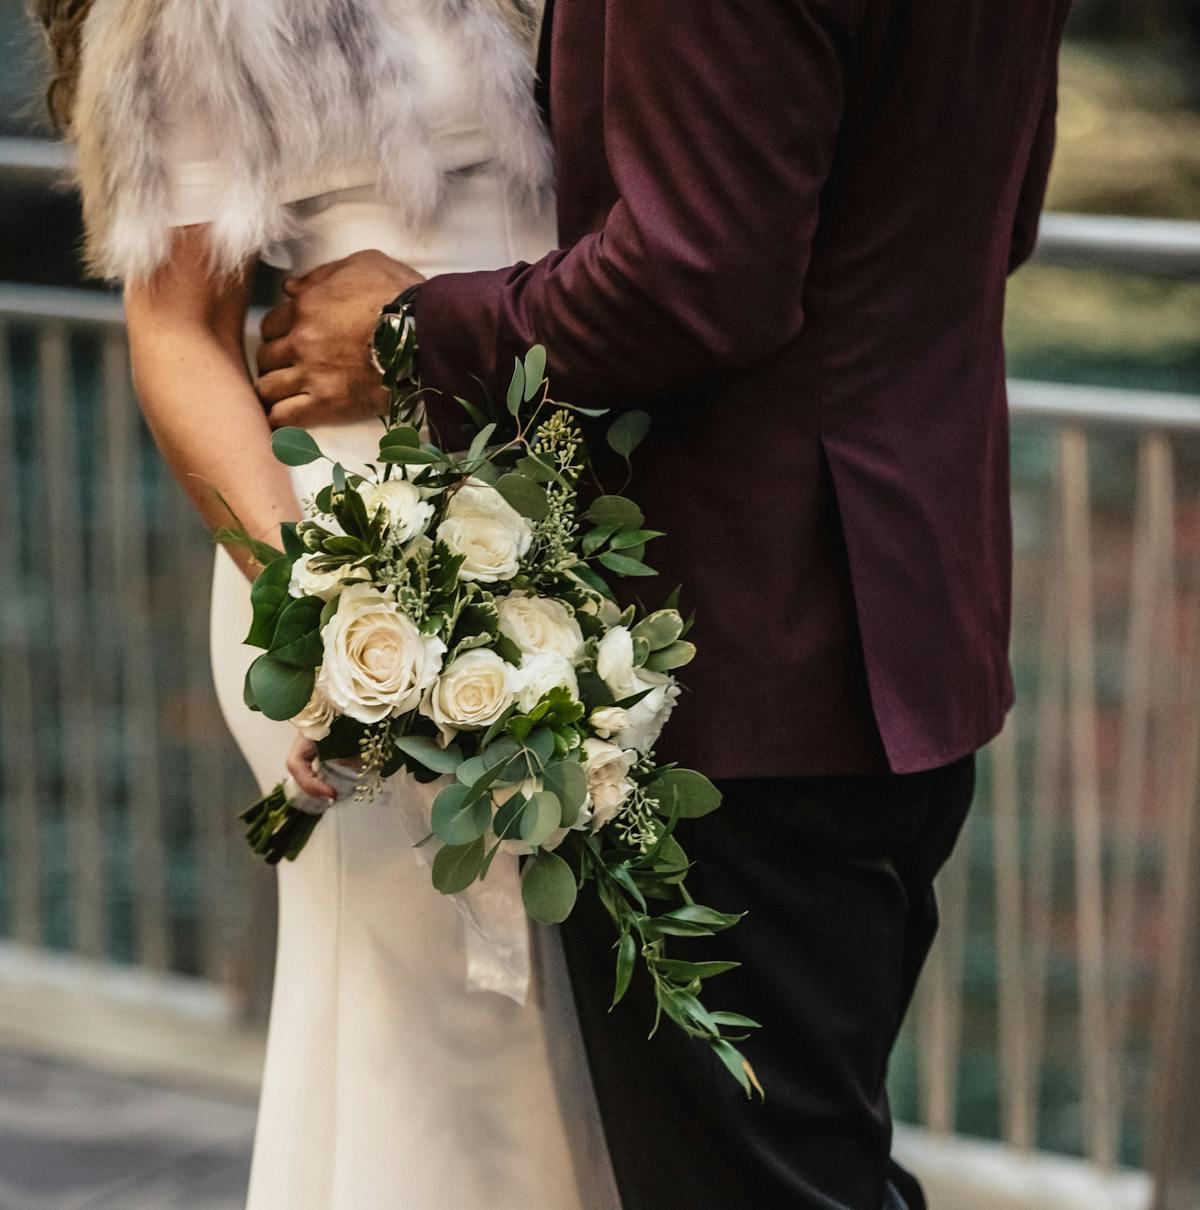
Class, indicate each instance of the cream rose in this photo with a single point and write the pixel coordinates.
(407, 513)
(377, 663)
(609, 785)
(315, 720)
(472, 693)
(646, 719)
(539, 674)
(487, 531)
(539, 625)
(606, 721)
(324, 584)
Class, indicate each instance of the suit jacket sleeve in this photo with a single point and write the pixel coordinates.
(720, 124)
(1037, 176)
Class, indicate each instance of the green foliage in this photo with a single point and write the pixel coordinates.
(294, 447)
(684, 793)
(548, 888)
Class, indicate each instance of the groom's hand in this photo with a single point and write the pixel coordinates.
(314, 364)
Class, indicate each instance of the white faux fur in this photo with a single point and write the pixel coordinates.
(293, 86)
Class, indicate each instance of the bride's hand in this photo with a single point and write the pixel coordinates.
(300, 765)
(314, 364)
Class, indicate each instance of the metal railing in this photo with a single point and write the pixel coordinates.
(1086, 900)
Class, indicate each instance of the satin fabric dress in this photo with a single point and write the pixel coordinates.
(388, 1084)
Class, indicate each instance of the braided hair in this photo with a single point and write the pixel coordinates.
(62, 21)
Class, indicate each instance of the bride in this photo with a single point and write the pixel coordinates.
(212, 133)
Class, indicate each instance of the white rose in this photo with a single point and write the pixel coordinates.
(609, 785)
(407, 513)
(487, 531)
(472, 693)
(315, 720)
(538, 625)
(606, 721)
(539, 674)
(646, 719)
(377, 663)
(649, 716)
(324, 584)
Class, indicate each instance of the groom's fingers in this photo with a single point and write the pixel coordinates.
(296, 411)
(277, 385)
(275, 355)
(278, 321)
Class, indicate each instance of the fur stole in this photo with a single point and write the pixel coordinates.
(293, 86)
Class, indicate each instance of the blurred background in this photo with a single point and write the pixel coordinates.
(1053, 1055)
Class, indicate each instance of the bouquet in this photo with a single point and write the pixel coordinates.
(449, 615)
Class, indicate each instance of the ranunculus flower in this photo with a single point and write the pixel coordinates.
(471, 693)
(539, 674)
(315, 720)
(609, 785)
(487, 531)
(646, 719)
(377, 663)
(324, 584)
(407, 513)
(539, 625)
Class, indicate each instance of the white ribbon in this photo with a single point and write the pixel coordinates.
(496, 928)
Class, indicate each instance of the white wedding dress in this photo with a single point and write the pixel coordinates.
(388, 1084)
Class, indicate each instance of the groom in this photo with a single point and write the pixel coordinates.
(786, 227)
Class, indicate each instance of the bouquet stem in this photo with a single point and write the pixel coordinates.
(275, 829)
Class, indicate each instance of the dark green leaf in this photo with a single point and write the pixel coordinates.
(628, 431)
(625, 566)
(540, 818)
(684, 792)
(568, 782)
(280, 691)
(457, 866)
(297, 638)
(736, 1020)
(406, 456)
(268, 596)
(403, 436)
(595, 538)
(626, 956)
(685, 972)
(593, 580)
(527, 497)
(459, 816)
(479, 443)
(541, 744)
(548, 888)
(477, 417)
(430, 753)
(618, 510)
(516, 388)
(294, 447)
(635, 539)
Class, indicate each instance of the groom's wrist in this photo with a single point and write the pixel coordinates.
(394, 343)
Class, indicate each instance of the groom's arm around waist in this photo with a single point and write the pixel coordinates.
(720, 123)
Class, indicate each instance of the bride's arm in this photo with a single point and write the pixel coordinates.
(186, 332)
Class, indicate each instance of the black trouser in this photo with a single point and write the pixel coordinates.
(836, 874)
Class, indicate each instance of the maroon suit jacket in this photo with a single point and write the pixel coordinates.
(786, 227)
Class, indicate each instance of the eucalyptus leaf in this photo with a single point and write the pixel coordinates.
(567, 781)
(628, 431)
(460, 817)
(268, 596)
(527, 497)
(405, 455)
(516, 388)
(541, 817)
(548, 888)
(430, 753)
(403, 436)
(684, 792)
(619, 510)
(294, 447)
(534, 370)
(457, 866)
(479, 443)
